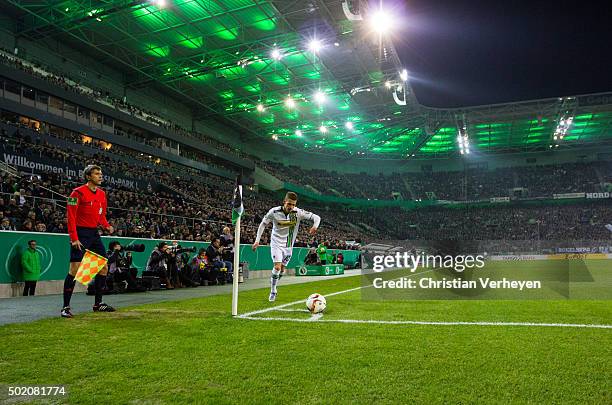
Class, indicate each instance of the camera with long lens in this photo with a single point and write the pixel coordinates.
(177, 250)
(123, 262)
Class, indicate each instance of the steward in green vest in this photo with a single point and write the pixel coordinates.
(322, 252)
(30, 264)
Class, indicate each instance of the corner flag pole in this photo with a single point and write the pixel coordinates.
(236, 268)
(237, 210)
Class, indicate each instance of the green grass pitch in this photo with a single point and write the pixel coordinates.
(195, 352)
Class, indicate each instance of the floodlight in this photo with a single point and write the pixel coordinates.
(315, 45)
(319, 97)
(276, 54)
(381, 21)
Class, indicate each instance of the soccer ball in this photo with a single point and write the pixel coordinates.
(316, 303)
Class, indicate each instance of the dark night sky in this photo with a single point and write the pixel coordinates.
(463, 52)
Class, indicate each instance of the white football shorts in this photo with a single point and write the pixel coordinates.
(281, 254)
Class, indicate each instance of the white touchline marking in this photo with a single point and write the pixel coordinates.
(559, 325)
(292, 310)
(278, 307)
(249, 316)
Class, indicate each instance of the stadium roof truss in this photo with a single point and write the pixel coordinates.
(218, 57)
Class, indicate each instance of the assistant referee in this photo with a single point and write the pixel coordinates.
(86, 210)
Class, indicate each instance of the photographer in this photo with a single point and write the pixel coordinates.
(214, 252)
(175, 263)
(157, 264)
(186, 275)
(120, 267)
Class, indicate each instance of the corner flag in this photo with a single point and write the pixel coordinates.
(237, 207)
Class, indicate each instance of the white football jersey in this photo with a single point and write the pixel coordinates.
(285, 227)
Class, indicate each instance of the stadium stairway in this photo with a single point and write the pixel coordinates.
(411, 192)
(311, 188)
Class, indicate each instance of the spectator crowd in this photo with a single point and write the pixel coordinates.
(470, 185)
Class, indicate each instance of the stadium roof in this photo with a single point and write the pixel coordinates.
(250, 64)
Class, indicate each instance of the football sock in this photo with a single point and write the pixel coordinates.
(68, 288)
(99, 286)
(274, 280)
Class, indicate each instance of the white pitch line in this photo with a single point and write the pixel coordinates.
(249, 316)
(292, 310)
(558, 325)
(279, 307)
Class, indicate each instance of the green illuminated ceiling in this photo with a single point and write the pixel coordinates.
(217, 55)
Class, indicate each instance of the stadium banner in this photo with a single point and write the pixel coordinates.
(484, 270)
(598, 195)
(582, 249)
(517, 257)
(568, 195)
(320, 270)
(33, 164)
(55, 252)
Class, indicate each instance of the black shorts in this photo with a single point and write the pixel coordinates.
(90, 239)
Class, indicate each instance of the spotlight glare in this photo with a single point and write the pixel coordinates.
(289, 102)
(319, 97)
(276, 54)
(404, 75)
(323, 129)
(349, 125)
(388, 84)
(298, 132)
(260, 107)
(315, 45)
(381, 22)
(160, 3)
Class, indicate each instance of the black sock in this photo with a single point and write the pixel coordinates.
(99, 283)
(68, 288)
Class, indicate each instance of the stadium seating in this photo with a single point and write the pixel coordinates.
(187, 206)
(472, 185)
(104, 97)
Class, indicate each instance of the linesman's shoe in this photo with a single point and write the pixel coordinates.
(272, 297)
(102, 307)
(66, 312)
